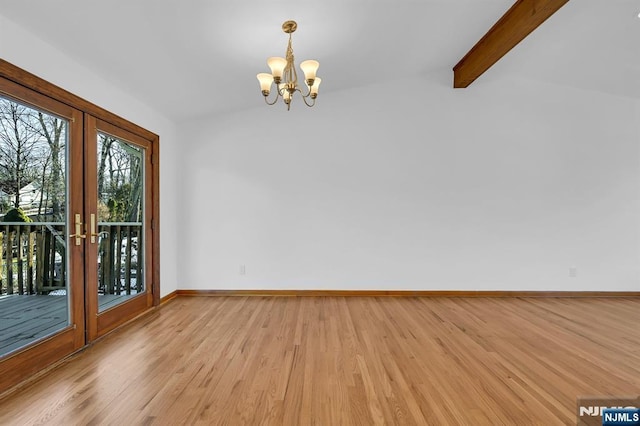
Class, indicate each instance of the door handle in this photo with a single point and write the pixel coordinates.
(93, 228)
(78, 233)
(93, 233)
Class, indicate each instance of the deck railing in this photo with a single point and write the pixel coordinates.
(120, 265)
(33, 259)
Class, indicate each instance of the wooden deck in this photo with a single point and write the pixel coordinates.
(27, 318)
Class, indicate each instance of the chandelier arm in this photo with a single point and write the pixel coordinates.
(304, 98)
(274, 100)
(308, 91)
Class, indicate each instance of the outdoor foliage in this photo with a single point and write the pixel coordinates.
(16, 215)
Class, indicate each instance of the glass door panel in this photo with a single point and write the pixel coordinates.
(34, 269)
(120, 216)
(118, 182)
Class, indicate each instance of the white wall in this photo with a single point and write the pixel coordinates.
(502, 186)
(35, 55)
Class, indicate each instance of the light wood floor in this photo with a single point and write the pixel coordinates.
(346, 360)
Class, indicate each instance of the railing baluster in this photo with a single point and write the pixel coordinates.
(19, 259)
(101, 255)
(63, 264)
(107, 267)
(30, 241)
(46, 259)
(118, 263)
(9, 259)
(127, 262)
(52, 266)
(40, 260)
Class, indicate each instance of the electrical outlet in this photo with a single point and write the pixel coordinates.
(573, 272)
(243, 270)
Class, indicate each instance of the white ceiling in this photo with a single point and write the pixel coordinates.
(193, 58)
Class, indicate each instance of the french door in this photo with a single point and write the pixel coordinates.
(117, 211)
(76, 242)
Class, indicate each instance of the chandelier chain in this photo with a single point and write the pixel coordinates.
(291, 75)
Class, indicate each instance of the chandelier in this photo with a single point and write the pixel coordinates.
(285, 77)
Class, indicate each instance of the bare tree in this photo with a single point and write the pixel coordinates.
(120, 178)
(53, 129)
(45, 188)
(104, 145)
(20, 148)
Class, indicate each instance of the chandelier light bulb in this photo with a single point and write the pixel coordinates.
(314, 88)
(309, 68)
(265, 82)
(277, 65)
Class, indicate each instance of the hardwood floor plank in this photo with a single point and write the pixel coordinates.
(347, 361)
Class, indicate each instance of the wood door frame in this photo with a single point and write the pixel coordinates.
(14, 367)
(100, 323)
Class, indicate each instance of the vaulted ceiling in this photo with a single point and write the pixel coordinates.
(200, 57)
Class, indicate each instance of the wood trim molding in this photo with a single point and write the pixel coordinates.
(119, 315)
(169, 297)
(404, 293)
(155, 219)
(516, 24)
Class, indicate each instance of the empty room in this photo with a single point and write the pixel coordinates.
(195, 230)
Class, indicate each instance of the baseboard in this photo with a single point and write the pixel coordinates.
(169, 297)
(405, 293)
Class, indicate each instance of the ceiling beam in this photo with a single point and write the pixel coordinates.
(519, 21)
